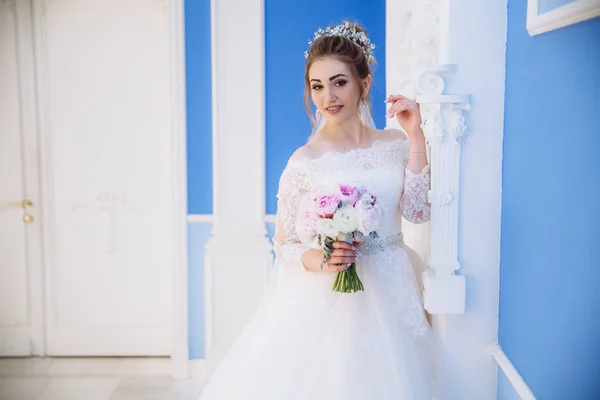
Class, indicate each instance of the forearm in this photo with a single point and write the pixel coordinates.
(417, 159)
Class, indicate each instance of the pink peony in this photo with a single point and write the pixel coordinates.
(347, 193)
(370, 197)
(326, 206)
(369, 217)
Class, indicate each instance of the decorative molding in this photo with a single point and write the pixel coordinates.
(568, 14)
(458, 126)
(176, 28)
(110, 202)
(446, 197)
(432, 127)
(445, 129)
(412, 47)
(419, 53)
(511, 373)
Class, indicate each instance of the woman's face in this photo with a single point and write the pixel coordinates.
(334, 91)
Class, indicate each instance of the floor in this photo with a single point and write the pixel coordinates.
(93, 379)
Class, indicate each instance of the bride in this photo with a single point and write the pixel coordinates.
(307, 342)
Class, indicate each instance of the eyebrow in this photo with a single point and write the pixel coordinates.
(330, 79)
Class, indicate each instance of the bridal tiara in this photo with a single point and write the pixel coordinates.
(347, 30)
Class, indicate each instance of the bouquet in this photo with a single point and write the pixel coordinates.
(344, 213)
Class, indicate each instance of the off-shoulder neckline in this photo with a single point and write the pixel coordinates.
(327, 154)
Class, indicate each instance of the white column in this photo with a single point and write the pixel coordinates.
(238, 254)
(435, 49)
(445, 128)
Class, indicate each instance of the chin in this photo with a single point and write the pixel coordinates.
(338, 118)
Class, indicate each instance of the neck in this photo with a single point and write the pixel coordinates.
(351, 130)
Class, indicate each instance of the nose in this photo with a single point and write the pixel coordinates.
(330, 95)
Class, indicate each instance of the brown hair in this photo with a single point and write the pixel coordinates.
(344, 50)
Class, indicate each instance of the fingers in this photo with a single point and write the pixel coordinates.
(342, 245)
(396, 109)
(402, 106)
(342, 256)
(343, 253)
(342, 260)
(338, 267)
(395, 97)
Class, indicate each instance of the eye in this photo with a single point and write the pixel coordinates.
(341, 82)
(317, 87)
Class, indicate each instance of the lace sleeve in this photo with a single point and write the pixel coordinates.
(415, 202)
(292, 185)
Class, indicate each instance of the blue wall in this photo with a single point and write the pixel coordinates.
(550, 263)
(289, 26)
(199, 106)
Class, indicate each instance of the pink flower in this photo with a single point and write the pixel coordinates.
(327, 205)
(370, 197)
(349, 194)
(369, 216)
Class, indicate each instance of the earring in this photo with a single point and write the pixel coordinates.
(317, 114)
(363, 107)
(365, 113)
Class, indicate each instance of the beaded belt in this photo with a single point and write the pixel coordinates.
(388, 243)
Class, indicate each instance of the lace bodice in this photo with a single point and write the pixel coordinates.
(380, 168)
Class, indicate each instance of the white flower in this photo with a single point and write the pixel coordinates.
(346, 219)
(326, 226)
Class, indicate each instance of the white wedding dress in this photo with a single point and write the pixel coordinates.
(307, 342)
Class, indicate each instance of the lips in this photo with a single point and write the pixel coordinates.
(334, 109)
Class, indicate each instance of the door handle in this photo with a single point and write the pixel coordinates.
(21, 204)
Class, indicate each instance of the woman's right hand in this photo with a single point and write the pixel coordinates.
(342, 256)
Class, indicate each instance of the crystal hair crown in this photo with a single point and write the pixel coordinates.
(349, 31)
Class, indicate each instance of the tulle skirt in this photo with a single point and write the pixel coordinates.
(306, 342)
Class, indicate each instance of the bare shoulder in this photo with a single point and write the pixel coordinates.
(306, 151)
(391, 134)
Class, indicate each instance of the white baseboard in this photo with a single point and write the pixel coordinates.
(511, 373)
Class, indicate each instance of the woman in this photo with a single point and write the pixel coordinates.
(306, 341)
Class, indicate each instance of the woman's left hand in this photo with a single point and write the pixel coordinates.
(408, 115)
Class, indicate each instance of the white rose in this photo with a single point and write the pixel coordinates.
(326, 226)
(346, 219)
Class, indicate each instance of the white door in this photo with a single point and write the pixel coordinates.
(21, 295)
(104, 67)
(104, 124)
